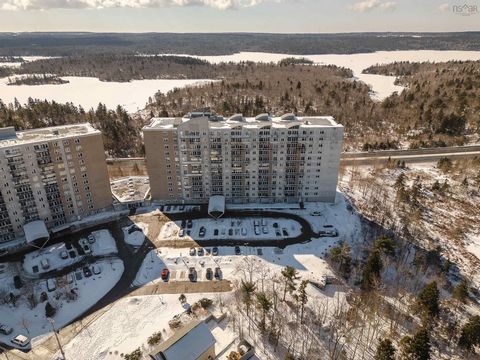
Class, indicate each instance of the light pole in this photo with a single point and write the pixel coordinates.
(52, 323)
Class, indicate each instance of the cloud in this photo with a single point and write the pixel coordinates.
(369, 5)
(444, 7)
(101, 4)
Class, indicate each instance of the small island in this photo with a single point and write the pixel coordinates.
(37, 80)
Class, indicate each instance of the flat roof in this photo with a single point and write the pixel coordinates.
(157, 123)
(189, 342)
(45, 134)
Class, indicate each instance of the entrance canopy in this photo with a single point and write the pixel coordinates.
(36, 233)
(216, 206)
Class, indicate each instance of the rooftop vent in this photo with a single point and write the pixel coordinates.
(288, 117)
(236, 117)
(262, 117)
(55, 132)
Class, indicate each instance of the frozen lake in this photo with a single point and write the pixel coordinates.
(382, 86)
(89, 91)
(133, 96)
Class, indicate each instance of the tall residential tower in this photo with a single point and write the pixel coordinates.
(55, 174)
(262, 159)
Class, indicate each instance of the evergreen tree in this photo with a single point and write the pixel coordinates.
(416, 347)
(470, 334)
(460, 292)
(289, 274)
(428, 300)
(385, 350)
(371, 271)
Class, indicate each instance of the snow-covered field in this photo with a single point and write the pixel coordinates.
(136, 238)
(234, 228)
(104, 243)
(126, 326)
(32, 321)
(88, 91)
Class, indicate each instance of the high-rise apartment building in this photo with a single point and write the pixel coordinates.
(261, 159)
(55, 174)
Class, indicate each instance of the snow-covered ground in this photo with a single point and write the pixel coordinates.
(234, 228)
(136, 238)
(32, 322)
(127, 326)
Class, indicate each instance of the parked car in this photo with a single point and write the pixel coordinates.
(215, 251)
(184, 223)
(69, 278)
(218, 273)
(275, 225)
(86, 271)
(264, 222)
(215, 232)
(64, 254)
(83, 242)
(278, 232)
(265, 229)
(244, 231)
(5, 330)
(165, 274)
(45, 264)
(200, 251)
(87, 249)
(181, 233)
(316, 213)
(237, 250)
(285, 232)
(97, 270)
(72, 254)
(256, 222)
(17, 282)
(202, 231)
(69, 246)
(91, 239)
(230, 232)
(51, 285)
(192, 274)
(20, 340)
(189, 224)
(257, 230)
(209, 274)
(259, 251)
(327, 226)
(192, 251)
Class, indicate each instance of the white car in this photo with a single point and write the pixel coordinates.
(87, 249)
(256, 223)
(45, 264)
(20, 340)
(96, 269)
(51, 285)
(91, 239)
(257, 230)
(64, 254)
(265, 229)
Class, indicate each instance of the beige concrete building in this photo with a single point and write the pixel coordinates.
(55, 174)
(262, 159)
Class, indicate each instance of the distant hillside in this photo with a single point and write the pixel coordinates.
(64, 44)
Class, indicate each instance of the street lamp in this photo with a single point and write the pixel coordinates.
(52, 323)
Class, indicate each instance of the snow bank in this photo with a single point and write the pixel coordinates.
(136, 238)
(104, 243)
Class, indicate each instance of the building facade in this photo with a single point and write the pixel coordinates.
(55, 174)
(262, 159)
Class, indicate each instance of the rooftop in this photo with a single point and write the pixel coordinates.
(10, 137)
(189, 342)
(238, 120)
(133, 188)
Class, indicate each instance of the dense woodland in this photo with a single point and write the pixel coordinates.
(439, 106)
(68, 44)
(37, 80)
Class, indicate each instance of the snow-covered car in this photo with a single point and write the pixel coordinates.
(264, 222)
(215, 251)
(244, 231)
(316, 213)
(256, 222)
(202, 231)
(5, 330)
(200, 251)
(64, 254)
(51, 285)
(265, 229)
(218, 273)
(181, 233)
(91, 239)
(87, 249)
(257, 230)
(96, 269)
(20, 340)
(192, 251)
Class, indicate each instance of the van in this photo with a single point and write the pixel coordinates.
(51, 285)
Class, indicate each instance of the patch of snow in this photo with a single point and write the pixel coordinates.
(104, 243)
(136, 238)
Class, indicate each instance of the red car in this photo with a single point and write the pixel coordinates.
(165, 274)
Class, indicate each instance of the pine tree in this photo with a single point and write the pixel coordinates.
(371, 271)
(416, 347)
(385, 350)
(428, 300)
(290, 275)
(470, 334)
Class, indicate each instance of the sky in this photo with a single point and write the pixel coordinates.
(277, 16)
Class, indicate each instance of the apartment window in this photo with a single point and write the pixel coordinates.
(77, 141)
(66, 142)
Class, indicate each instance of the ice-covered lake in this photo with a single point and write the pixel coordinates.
(89, 91)
(382, 86)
